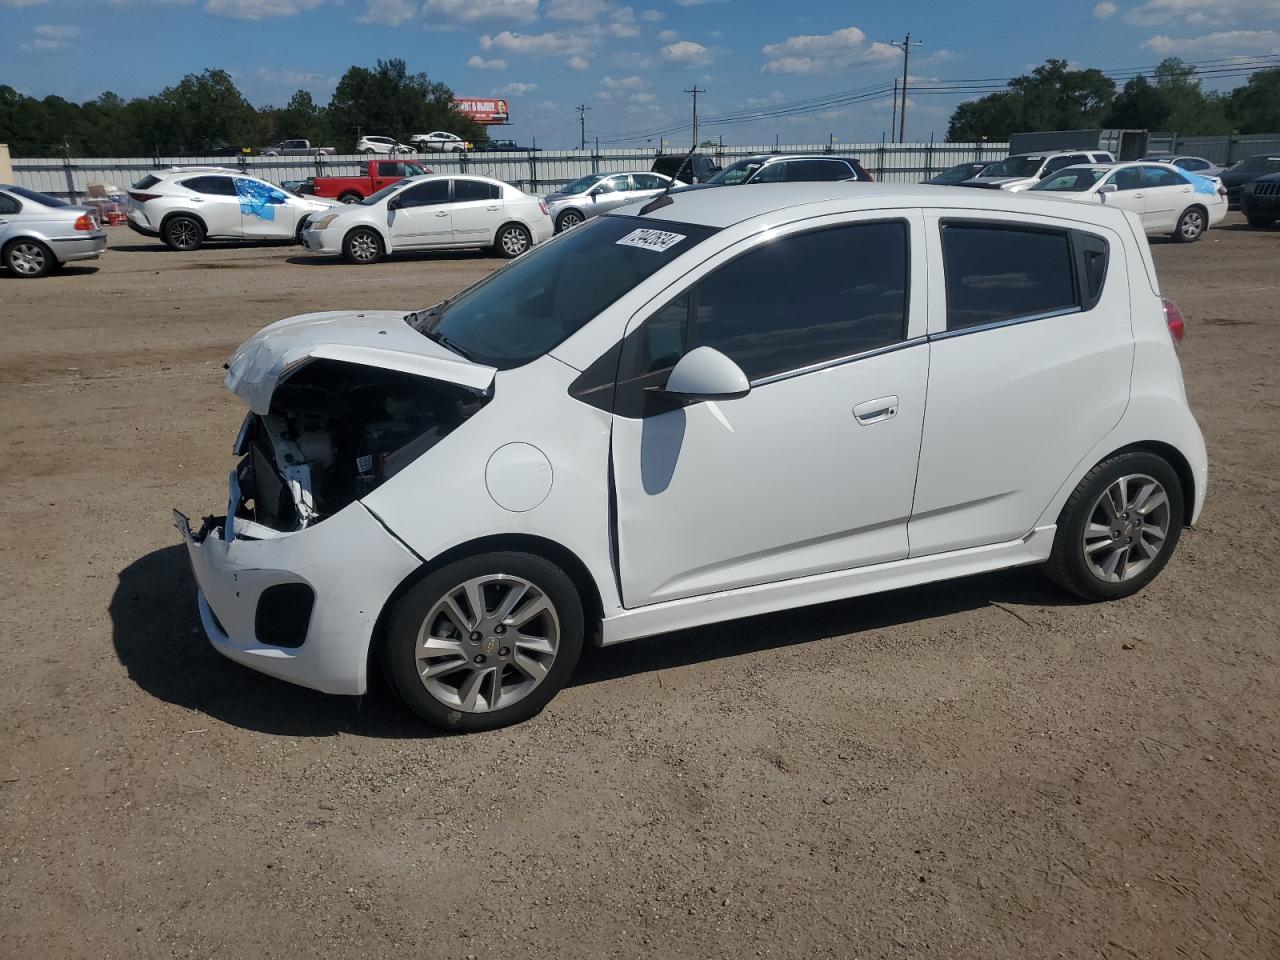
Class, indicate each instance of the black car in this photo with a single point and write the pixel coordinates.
(503, 146)
(957, 174)
(1260, 200)
(1235, 177)
(687, 168)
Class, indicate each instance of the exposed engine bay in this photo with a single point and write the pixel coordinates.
(335, 432)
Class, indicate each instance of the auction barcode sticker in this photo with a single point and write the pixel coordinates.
(658, 240)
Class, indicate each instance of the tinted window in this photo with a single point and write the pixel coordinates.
(1127, 179)
(1057, 163)
(464, 190)
(8, 204)
(802, 300)
(391, 168)
(426, 194)
(211, 186)
(771, 173)
(1191, 163)
(818, 170)
(147, 181)
(648, 181)
(1161, 177)
(996, 273)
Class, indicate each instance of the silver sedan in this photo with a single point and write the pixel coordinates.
(39, 233)
(599, 193)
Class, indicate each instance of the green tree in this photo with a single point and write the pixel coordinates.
(204, 108)
(1255, 107)
(1051, 97)
(391, 102)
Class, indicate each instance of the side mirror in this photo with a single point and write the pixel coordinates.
(705, 373)
(393, 203)
(1108, 188)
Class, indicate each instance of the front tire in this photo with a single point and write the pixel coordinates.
(1118, 528)
(28, 259)
(1191, 225)
(512, 240)
(350, 197)
(183, 234)
(568, 220)
(1260, 222)
(485, 642)
(363, 246)
(368, 151)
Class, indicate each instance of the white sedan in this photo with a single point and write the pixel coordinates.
(439, 141)
(1168, 201)
(432, 212)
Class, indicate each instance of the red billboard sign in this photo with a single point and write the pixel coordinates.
(482, 110)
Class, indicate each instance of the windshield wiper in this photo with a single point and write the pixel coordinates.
(438, 337)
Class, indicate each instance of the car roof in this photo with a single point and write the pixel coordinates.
(722, 208)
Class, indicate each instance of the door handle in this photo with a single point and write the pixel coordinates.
(876, 411)
(491, 209)
(1139, 195)
(445, 214)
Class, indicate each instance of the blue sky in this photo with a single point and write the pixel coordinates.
(629, 62)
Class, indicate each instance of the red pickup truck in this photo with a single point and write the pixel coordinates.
(381, 173)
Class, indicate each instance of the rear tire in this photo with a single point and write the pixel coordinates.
(512, 240)
(1191, 225)
(1118, 528)
(475, 657)
(350, 197)
(28, 258)
(183, 234)
(363, 246)
(1260, 222)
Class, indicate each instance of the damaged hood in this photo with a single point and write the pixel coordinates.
(373, 338)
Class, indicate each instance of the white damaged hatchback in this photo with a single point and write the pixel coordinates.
(710, 407)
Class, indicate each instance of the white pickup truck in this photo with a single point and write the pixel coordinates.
(296, 148)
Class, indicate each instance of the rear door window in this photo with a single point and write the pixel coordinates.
(999, 272)
(1161, 177)
(647, 181)
(464, 190)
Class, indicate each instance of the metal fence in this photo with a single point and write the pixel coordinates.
(1220, 149)
(538, 172)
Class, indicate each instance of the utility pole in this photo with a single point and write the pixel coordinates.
(582, 109)
(695, 91)
(905, 47)
(893, 114)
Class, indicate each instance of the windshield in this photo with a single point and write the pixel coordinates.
(958, 174)
(1014, 167)
(736, 173)
(375, 198)
(583, 185)
(1071, 180)
(37, 197)
(518, 313)
(1257, 165)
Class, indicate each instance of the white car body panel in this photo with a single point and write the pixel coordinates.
(225, 217)
(996, 460)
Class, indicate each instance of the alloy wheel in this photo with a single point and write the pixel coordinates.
(184, 234)
(569, 221)
(514, 241)
(1192, 224)
(364, 247)
(1127, 528)
(28, 259)
(487, 643)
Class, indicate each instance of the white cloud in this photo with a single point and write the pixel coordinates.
(390, 13)
(620, 88)
(622, 23)
(697, 3)
(1105, 10)
(649, 16)
(518, 89)
(551, 43)
(1225, 42)
(685, 53)
(825, 52)
(773, 97)
(630, 60)
(578, 63)
(478, 62)
(583, 11)
(1157, 12)
(258, 9)
(666, 36)
(454, 13)
(50, 36)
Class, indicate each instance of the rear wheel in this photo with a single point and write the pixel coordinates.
(512, 240)
(1257, 221)
(368, 151)
(183, 233)
(485, 642)
(1190, 225)
(363, 246)
(28, 258)
(1118, 528)
(350, 197)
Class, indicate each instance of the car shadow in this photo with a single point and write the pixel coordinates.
(158, 639)
(158, 246)
(329, 259)
(66, 270)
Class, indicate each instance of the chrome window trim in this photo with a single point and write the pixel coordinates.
(840, 361)
(1009, 322)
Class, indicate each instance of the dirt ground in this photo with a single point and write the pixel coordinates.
(979, 769)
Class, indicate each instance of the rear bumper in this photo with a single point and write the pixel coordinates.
(88, 246)
(137, 227)
(331, 651)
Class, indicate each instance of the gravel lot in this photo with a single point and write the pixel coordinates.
(978, 769)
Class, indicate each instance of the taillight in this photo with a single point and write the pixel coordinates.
(542, 205)
(1173, 318)
(143, 197)
(85, 222)
(1222, 191)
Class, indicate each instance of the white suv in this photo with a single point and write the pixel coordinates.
(707, 407)
(387, 145)
(1024, 170)
(186, 207)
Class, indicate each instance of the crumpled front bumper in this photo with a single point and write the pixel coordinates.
(350, 561)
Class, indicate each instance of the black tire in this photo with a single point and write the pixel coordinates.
(1069, 567)
(411, 611)
(297, 234)
(1260, 222)
(363, 245)
(512, 240)
(28, 259)
(1191, 225)
(183, 234)
(568, 220)
(350, 197)
(368, 151)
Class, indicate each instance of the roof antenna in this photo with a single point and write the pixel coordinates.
(662, 200)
